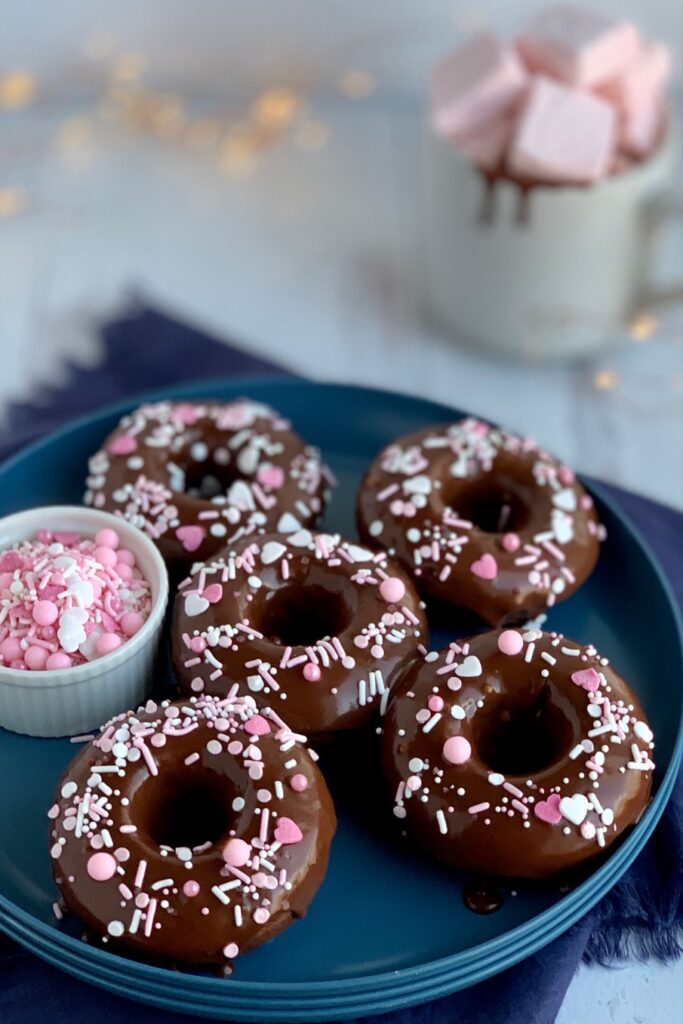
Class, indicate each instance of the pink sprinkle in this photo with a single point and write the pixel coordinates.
(299, 783)
(510, 642)
(257, 726)
(588, 678)
(45, 612)
(36, 658)
(478, 808)
(191, 888)
(485, 568)
(435, 703)
(108, 642)
(392, 590)
(510, 542)
(122, 445)
(311, 672)
(236, 852)
(456, 750)
(107, 538)
(101, 867)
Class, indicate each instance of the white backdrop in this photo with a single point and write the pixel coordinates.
(235, 44)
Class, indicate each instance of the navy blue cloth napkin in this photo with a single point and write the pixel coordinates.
(640, 917)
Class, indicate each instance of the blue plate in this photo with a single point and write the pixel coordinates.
(387, 929)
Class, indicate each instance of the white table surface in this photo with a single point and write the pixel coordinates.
(311, 259)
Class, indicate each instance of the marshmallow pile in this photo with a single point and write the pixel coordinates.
(577, 97)
(65, 600)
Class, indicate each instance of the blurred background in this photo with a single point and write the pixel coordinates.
(255, 169)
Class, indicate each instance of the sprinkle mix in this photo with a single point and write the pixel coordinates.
(404, 506)
(66, 600)
(584, 796)
(255, 473)
(180, 897)
(219, 607)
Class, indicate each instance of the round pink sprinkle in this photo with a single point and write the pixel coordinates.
(124, 571)
(101, 867)
(231, 950)
(311, 672)
(131, 622)
(298, 782)
(125, 557)
(435, 703)
(35, 658)
(261, 915)
(565, 475)
(510, 542)
(107, 538)
(45, 613)
(510, 642)
(107, 643)
(10, 649)
(123, 445)
(191, 888)
(236, 853)
(456, 750)
(392, 590)
(58, 660)
(105, 556)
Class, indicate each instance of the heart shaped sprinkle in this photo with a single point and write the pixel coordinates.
(574, 808)
(565, 499)
(271, 476)
(288, 523)
(287, 832)
(549, 810)
(470, 668)
(272, 551)
(190, 536)
(588, 678)
(195, 604)
(257, 726)
(213, 593)
(486, 567)
(122, 445)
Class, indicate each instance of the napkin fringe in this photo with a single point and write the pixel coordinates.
(636, 942)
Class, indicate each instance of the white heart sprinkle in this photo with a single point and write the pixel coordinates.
(359, 554)
(195, 604)
(565, 499)
(288, 523)
(562, 526)
(301, 539)
(418, 485)
(470, 668)
(574, 808)
(272, 551)
(240, 495)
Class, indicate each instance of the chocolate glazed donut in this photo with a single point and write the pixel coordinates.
(482, 519)
(316, 625)
(191, 832)
(196, 475)
(516, 754)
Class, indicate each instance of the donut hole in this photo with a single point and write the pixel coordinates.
(191, 810)
(299, 615)
(208, 479)
(493, 506)
(525, 737)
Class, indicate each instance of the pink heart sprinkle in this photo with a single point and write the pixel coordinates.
(257, 726)
(190, 536)
(122, 445)
(271, 476)
(588, 678)
(486, 567)
(549, 810)
(185, 413)
(213, 594)
(287, 832)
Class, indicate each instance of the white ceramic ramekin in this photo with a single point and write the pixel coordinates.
(65, 702)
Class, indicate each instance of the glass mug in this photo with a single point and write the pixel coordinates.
(550, 271)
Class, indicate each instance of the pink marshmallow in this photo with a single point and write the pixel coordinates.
(641, 81)
(486, 147)
(579, 47)
(562, 136)
(480, 80)
(641, 132)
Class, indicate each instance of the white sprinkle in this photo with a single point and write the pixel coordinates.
(441, 819)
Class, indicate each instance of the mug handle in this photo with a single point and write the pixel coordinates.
(664, 207)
